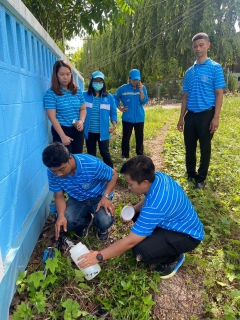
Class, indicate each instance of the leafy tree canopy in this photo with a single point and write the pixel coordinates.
(157, 39)
(66, 18)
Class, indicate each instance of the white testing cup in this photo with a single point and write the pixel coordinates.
(127, 213)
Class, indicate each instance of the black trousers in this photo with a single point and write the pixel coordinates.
(196, 127)
(126, 135)
(76, 146)
(91, 144)
(163, 246)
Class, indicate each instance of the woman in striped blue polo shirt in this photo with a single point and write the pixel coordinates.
(101, 110)
(64, 103)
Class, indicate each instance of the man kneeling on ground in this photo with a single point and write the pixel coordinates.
(166, 224)
(89, 183)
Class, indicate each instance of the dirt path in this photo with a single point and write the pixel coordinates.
(179, 297)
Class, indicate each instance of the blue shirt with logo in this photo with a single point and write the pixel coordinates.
(67, 106)
(89, 180)
(200, 82)
(167, 206)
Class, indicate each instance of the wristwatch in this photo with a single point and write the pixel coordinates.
(107, 196)
(99, 257)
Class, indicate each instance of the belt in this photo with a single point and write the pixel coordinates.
(211, 108)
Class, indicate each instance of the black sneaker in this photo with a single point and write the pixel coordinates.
(199, 185)
(168, 270)
(84, 232)
(102, 235)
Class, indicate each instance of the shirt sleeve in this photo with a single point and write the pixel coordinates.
(147, 221)
(145, 100)
(113, 108)
(117, 97)
(81, 97)
(185, 83)
(103, 171)
(53, 185)
(219, 81)
(49, 100)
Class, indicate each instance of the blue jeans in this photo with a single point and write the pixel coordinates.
(78, 215)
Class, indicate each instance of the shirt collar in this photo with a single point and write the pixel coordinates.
(63, 90)
(203, 63)
(78, 166)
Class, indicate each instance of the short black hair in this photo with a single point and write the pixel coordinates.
(55, 154)
(201, 35)
(139, 168)
(103, 92)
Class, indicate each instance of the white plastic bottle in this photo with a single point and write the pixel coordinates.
(76, 251)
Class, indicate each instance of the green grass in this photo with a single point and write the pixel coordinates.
(126, 287)
(219, 209)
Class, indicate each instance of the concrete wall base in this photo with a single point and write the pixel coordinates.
(20, 253)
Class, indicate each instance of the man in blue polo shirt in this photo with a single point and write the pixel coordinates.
(166, 224)
(89, 183)
(201, 104)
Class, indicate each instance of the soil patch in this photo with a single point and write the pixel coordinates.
(179, 297)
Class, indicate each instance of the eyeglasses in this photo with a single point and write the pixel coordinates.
(98, 81)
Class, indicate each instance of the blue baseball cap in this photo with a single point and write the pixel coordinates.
(134, 74)
(98, 74)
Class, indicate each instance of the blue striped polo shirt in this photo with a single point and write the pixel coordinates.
(168, 207)
(67, 106)
(200, 82)
(88, 182)
(94, 125)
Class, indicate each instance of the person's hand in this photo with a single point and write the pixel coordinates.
(111, 129)
(61, 221)
(214, 125)
(107, 205)
(66, 140)
(180, 125)
(80, 125)
(123, 109)
(88, 259)
(125, 221)
(140, 85)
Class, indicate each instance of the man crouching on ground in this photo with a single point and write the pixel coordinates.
(89, 183)
(166, 224)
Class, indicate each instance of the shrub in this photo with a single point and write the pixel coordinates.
(232, 83)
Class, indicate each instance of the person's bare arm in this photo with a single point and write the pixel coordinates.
(51, 113)
(137, 207)
(114, 250)
(218, 105)
(104, 202)
(60, 203)
(182, 112)
(82, 117)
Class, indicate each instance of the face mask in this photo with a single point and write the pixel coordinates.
(97, 86)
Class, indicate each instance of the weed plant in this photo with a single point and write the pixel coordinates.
(124, 287)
